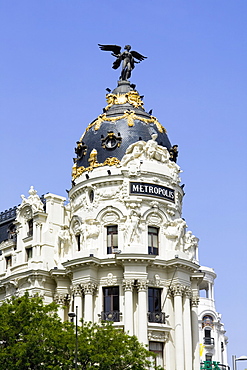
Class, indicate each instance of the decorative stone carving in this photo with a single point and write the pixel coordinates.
(149, 150)
(142, 285)
(195, 299)
(174, 171)
(33, 201)
(76, 290)
(112, 193)
(175, 230)
(76, 223)
(89, 288)
(190, 245)
(187, 292)
(92, 230)
(154, 204)
(177, 289)
(61, 298)
(111, 280)
(64, 241)
(132, 228)
(156, 282)
(110, 217)
(158, 336)
(128, 285)
(154, 219)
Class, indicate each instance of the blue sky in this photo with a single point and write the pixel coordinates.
(52, 85)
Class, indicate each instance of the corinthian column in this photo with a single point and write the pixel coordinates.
(78, 302)
(179, 335)
(187, 330)
(195, 332)
(128, 306)
(88, 290)
(142, 311)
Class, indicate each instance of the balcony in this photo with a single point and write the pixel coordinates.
(157, 317)
(110, 316)
(208, 341)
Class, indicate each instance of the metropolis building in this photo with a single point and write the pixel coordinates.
(118, 248)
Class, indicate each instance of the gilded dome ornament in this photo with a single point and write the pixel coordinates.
(132, 97)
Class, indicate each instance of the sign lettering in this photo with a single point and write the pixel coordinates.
(152, 189)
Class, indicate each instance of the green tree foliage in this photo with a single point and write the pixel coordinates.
(32, 337)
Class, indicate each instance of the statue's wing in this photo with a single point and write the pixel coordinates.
(137, 55)
(114, 48)
(117, 63)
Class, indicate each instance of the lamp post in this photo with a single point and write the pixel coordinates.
(234, 361)
(72, 315)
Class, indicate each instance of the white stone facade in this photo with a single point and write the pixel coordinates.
(119, 250)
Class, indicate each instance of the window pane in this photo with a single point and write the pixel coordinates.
(154, 300)
(155, 241)
(115, 240)
(109, 243)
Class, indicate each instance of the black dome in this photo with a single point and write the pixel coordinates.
(123, 122)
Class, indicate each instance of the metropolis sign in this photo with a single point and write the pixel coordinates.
(144, 188)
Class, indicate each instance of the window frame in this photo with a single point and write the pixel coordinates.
(110, 235)
(153, 249)
(111, 303)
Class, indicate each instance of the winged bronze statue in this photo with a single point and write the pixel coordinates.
(127, 58)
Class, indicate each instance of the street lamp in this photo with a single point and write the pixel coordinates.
(234, 361)
(72, 315)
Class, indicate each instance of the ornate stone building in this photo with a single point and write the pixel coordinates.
(119, 249)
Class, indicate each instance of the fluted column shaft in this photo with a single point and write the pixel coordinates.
(142, 311)
(128, 306)
(78, 303)
(187, 331)
(195, 333)
(88, 290)
(179, 335)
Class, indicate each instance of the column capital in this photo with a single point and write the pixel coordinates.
(89, 288)
(142, 285)
(128, 285)
(61, 298)
(76, 290)
(187, 292)
(194, 300)
(177, 289)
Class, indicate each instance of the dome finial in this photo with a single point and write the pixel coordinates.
(127, 58)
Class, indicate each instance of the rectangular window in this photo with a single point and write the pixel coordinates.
(30, 228)
(78, 239)
(157, 348)
(112, 239)
(154, 299)
(111, 304)
(29, 253)
(154, 306)
(153, 240)
(8, 260)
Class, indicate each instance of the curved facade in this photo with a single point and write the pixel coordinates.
(119, 250)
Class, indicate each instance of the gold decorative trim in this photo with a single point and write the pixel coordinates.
(132, 97)
(77, 171)
(130, 116)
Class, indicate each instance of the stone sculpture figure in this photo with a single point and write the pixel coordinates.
(127, 58)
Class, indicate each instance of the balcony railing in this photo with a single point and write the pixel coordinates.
(110, 316)
(208, 341)
(158, 317)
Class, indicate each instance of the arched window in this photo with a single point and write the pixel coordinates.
(207, 321)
